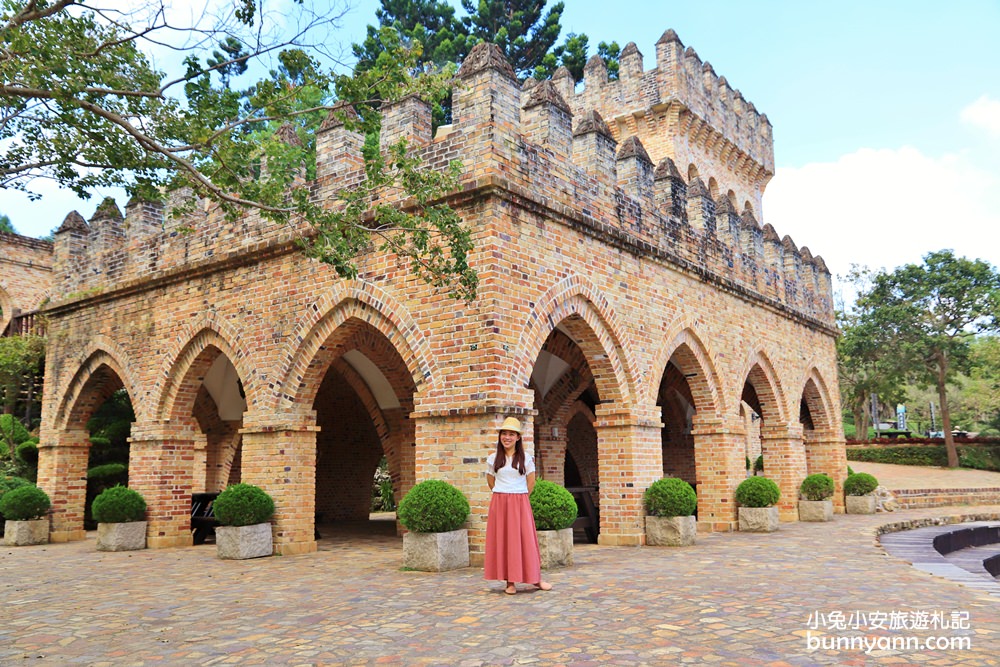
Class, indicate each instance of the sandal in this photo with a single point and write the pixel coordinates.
(543, 586)
(511, 589)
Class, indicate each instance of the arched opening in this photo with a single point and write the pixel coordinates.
(566, 441)
(677, 410)
(758, 407)
(692, 172)
(364, 454)
(713, 188)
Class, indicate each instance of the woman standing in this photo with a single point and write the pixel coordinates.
(511, 541)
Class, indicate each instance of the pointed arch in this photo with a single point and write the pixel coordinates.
(759, 372)
(101, 356)
(195, 350)
(575, 303)
(695, 358)
(817, 396)
(362, 303)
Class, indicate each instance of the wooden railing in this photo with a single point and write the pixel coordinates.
(26, 324)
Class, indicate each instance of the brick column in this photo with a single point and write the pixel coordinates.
(279, 456)
(630, 458)
(550, 452)
(785, 463)
(161, 468)
(62, 474)
(454, 447)
(720, 466)
(826, 453)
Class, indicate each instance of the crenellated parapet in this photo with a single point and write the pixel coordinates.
(677, 180)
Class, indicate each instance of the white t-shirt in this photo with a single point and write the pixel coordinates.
(508, 479)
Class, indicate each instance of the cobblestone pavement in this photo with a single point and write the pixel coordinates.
(732, 599)
(919, 477)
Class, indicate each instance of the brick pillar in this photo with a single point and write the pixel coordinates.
(550, 452)
(785, 463)
(161, 468)
(399, 451)
(630, 458)
(454, 447)
(279, 456)
(62, 474)
(825, 453)
(720, 466)
(199, 467)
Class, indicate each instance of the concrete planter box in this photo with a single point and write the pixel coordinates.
(860, 504)
(130, 536)
(436, 552)
(556, 548)
(758, 519)
(26, 533)
(815, 510)
(670, 531)
(242, 542)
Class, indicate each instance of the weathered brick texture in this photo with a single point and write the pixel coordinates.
(627, 314)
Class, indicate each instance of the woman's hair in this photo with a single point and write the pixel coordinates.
(501, 458)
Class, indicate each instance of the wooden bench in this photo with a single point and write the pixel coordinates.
(203, 521)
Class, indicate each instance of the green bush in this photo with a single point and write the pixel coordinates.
(9, 484)
(929, 455)
(817, 487)
(979, 458)
(860, 484)
(758, 464)
(553, 506)
(850, 471)
(107, 472)
(24, 503)
(119, 504)
(27, 452)
(757, 492)
(433, 506)
(670, 496)
(12, 430)
(243, 505)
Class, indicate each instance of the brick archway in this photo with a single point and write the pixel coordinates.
(576, 305)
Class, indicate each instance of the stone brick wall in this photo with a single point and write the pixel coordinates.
(600, 274)
(25, 275)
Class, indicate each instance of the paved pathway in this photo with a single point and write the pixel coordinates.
(732, 599)
(917, 477)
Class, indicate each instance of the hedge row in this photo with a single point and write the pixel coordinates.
(981, 458)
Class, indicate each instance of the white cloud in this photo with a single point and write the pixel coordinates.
(885, 208)
(984, 113)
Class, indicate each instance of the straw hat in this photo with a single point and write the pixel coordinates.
(511, 424)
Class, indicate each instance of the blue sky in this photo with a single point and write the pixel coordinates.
(886, 115)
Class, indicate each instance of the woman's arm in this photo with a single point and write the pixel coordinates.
(531, 482)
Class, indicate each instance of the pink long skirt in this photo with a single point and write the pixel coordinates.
(511, 541)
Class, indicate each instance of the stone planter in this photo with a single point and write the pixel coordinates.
(556, 548)
(860, 504)
(26, 533)
(130, 536)
(758, 519)
(815, 510)
(242, 542)
(436, 552)
(670, 531)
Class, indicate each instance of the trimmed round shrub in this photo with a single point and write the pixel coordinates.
(553, 506)
(817, 487)
(12, 430)
(243, 505)
(850, 471)
(757, 492)
(860, 484)
(107, 471)
(669, 497)
(27, 453)
(24, 503)
(433, 506)
(9, 483)
(119, 504)
(758, 464)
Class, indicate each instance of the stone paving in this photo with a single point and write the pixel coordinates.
(732, 599)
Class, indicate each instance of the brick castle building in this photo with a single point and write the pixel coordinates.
(632, 312)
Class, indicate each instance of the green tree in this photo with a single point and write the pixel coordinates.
(431, 24)
(523, 30)
(865, 359)
(6, 225)
(930, 314)
(82, 104)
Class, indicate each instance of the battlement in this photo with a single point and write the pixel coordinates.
(677, 180)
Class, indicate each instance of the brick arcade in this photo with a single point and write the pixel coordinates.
(632, 312)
